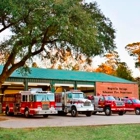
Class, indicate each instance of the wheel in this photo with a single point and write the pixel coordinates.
(121, 113)
(108, 111)
(137, 111)
(94, 112)
(45, 115)
(88, 113)
(124, 112)
(74, 112)
(26, 113)
(7, 111)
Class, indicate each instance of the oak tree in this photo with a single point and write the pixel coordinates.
(67, 59)
(111, 63)
(134, 51)
(35, 26)
(124, 72)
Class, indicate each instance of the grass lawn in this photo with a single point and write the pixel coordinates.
(111, 132)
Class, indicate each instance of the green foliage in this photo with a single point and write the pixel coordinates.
(112, 132)
(24, 70)
(134, 51)
(124, 72)
(104, 39)
(137, 64)
(37, 25)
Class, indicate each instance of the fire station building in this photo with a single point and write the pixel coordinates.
(91, 83)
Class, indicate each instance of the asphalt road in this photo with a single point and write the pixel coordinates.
(59, 121)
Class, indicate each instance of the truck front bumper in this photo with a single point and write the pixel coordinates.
(85, 108)
(43, 112)
(118, 109)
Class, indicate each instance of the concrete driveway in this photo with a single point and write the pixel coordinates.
(59, 121)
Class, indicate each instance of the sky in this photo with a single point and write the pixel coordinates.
(124, 15)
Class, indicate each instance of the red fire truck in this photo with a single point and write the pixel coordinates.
(29, 103)
(132, 104)
(108, 104)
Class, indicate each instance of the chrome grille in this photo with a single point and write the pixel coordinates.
(119, 103)
(87, 103)
(45, 106)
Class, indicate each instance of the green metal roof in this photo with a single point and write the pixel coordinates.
(67, 75)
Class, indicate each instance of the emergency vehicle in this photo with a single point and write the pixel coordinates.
(73, 102)
(29, 103)
(132, 105)
(108, 104)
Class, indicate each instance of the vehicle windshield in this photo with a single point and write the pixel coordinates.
(136, 101)
(44, 97)
(77, 95)
(109, 98)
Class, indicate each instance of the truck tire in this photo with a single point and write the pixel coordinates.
(121, 113)
(45, 115)
(137, 111)
(74, 112)
(7, 113)
(108, 111)
(26, 113)
(88, 113)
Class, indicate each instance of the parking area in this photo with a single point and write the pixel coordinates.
(61, 121)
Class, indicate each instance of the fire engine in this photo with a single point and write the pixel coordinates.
(108, 104)
(132, 104)
(29, 103)
(73, 102)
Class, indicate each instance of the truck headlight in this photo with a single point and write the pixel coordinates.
(39, 108)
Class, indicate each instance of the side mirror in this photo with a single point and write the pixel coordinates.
(129, 102)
